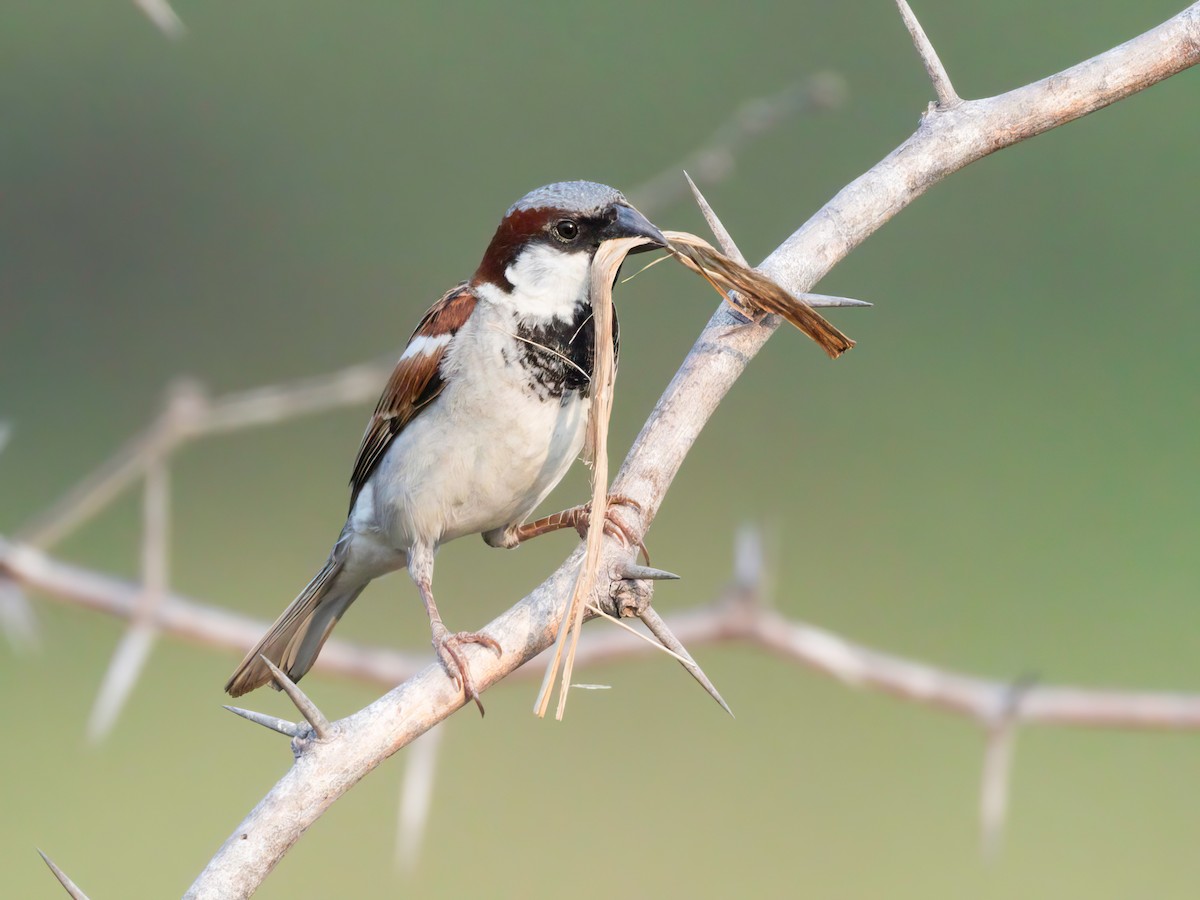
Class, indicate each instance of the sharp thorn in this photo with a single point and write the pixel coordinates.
(69, 886)
(659, 629)
(634, 572)
(998, 765)
(817, 300)
(164, 18)
(283, 726)
(307, 708)
(127, 664)
(748, 558)
(17, 619)
(947, 96)
(416, 797)
(720, 232)
(727, 244)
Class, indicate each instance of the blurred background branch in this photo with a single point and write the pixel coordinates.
(737, 614)
(164, 18)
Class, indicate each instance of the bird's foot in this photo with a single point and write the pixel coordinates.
(580, 518)
(449, 650)
(613, 525)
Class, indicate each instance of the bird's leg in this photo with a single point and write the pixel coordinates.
(578, 517)
(447, 644)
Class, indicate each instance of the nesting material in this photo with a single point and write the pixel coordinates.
(728, 277)
(756, 289)
(607, 261)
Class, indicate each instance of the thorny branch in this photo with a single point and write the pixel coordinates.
(950, 136)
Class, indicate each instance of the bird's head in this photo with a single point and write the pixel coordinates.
(547, 239)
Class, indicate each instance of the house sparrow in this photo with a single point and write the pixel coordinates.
(481, 418)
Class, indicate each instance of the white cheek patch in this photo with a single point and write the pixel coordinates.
(424, 345)
(549, 281)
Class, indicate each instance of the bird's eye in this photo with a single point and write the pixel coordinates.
(566, 230)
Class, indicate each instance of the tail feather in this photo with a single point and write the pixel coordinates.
(297, 636)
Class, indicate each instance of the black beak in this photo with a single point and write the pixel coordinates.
(631, 223)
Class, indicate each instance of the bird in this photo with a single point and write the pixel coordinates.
(482, 416)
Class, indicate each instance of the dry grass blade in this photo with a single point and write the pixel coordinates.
(607, 261)
(760, 292)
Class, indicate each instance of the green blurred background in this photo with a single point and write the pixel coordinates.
(1001, 478)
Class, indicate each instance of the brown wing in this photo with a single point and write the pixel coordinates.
(415, 381)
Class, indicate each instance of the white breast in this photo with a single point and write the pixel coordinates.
(483, 455)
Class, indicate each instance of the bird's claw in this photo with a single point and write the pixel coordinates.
(449, 650)
(613, 526)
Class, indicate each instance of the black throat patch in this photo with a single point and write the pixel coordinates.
(559, 357)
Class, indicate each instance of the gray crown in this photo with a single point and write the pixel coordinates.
(573, 196)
